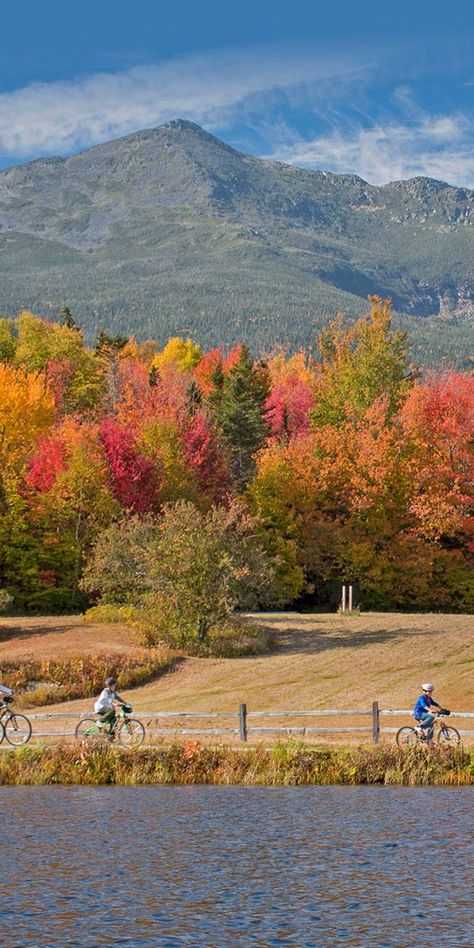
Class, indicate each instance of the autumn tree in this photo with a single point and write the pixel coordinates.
(359, 364)
(184, 354)
(133, 478)
(26, 410)
(70, 502)
(59, 351)
(438, 421)
(8, 340)
(197, 568)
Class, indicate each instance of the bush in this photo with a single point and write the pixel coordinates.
(288, 764)
(5, 600)
(111, 614)
(77, 676)
(186, 573)
(116, 569)
(230, 639)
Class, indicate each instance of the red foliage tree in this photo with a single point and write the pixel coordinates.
(206, 456)
(48, 462)
(438, 417)
(287, 408)
(134, 479)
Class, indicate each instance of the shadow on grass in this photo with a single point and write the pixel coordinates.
(300, 640)
(18, 632)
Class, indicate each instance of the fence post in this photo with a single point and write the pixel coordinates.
(343, 599)
(375, 722)
(243, 722)
(350, 599)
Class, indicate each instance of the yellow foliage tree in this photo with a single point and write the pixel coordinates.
(282, 367)
(183, 353)
(59, 350)
(26, 411)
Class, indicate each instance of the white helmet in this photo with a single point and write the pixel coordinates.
(428, 686)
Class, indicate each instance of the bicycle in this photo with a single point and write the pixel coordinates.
(409, 736)
(16, 728)
(129, 731)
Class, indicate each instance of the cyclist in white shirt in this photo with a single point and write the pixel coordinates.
(105, 704)
(5, 693)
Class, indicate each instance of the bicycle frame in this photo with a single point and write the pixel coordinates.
(5, 712)
(111, 727)
(429, 732)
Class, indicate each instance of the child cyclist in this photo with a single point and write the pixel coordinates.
(106, 702)
(422, 711)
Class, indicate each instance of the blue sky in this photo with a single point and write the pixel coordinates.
(383, 93)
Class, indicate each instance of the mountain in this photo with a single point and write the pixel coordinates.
(171, 231)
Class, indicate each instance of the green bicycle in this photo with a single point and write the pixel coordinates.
(16, 728)
(129, 731)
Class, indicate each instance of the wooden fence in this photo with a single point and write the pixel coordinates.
(243, 728)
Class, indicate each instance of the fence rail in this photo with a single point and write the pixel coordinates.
(243, 718)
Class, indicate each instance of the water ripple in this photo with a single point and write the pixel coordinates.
(218, 866)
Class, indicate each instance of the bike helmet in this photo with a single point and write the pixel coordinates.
(428, 686)
(110, 681)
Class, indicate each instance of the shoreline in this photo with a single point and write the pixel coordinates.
(192, 763)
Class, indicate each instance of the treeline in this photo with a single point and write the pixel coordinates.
(127, 467)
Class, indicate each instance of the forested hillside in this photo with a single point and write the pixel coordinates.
(171, 232)
(307, 471)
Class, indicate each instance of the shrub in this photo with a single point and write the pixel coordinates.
(5, 600)
(77, 676)
(116, 569)
(195, 763)
(111, 614)
(186, 573)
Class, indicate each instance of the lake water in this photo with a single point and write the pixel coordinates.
(225, 866)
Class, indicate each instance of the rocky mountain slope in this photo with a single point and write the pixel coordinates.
(170, 231)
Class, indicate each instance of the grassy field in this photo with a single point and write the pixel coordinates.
(319, 661)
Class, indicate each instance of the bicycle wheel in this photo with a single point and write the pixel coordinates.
(87, 728)
(131, 733)
(2, 732)
(407, 737)
(17, 729)
(448, 735)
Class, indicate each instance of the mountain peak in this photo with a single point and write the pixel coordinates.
(173, 222)
(186, 125)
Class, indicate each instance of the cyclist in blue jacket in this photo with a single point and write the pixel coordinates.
(422, 710)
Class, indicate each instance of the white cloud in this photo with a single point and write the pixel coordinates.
(64, 116)
(437, 147)
(257, 93)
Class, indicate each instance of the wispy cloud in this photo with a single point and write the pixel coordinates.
(345, 111)
(439, 146)
(64, 116)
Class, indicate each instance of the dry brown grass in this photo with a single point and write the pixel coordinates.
(321, 661)
(36, 637)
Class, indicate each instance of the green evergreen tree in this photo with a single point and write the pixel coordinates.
(107, 351)
(194, 397)
(238, 405)
(68, 318)
(153, 377)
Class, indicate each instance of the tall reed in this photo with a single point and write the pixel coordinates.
(287, 764)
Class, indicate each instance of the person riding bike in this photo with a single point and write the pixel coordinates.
(105, 704)
(422, 710)
(4, 693)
